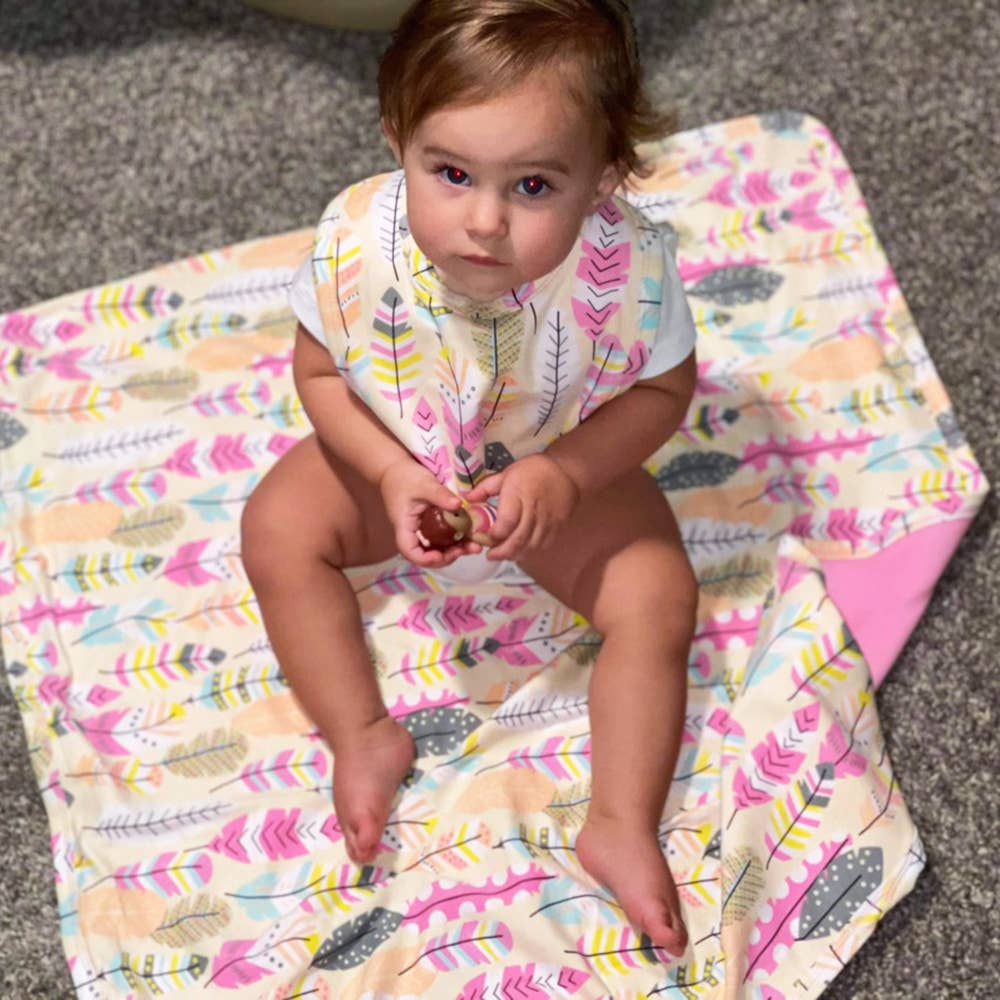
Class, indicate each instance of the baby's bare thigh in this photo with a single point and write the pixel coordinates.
(312, 503)
(621, 549)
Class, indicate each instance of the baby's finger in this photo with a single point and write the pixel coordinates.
(444, 498)
(512, 546)
(459, 549)
(539, 535)
(508, 518)
(410, 548)
(485, 488)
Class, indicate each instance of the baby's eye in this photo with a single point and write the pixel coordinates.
(532, 186)
(454, 175)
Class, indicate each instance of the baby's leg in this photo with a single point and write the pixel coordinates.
(308, 519)
(620, 562)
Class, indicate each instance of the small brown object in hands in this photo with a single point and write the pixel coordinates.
(440, 528)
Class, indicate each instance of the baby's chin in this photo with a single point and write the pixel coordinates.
(485, 287)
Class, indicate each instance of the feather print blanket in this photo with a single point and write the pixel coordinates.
(821, 481)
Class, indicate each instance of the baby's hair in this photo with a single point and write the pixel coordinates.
(464, 51)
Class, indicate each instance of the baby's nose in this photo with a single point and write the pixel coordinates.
(487, 216)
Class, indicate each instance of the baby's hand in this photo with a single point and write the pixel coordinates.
(407, 490)
(536, 497)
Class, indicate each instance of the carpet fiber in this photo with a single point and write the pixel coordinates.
(134, 133)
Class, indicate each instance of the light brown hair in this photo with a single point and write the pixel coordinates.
(464, 51)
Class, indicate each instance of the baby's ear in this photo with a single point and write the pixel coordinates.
(611, 178)
(390, 137)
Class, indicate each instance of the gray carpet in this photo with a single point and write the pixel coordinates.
(132, 133)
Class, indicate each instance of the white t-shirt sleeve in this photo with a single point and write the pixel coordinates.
(676, 336)
(302, 299)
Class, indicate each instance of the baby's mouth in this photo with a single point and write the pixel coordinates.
(483, 261)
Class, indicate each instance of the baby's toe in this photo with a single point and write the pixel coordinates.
(665, 929)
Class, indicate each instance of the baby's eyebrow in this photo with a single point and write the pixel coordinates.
(554, 165)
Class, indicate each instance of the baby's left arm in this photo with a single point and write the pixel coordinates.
(538, 492)
(623, 433)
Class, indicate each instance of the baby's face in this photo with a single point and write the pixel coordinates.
(497, 192)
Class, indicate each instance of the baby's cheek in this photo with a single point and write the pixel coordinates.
(546, 244)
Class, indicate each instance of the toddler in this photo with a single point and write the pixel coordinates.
(490, 323)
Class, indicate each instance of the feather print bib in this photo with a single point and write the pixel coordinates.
(466, 386)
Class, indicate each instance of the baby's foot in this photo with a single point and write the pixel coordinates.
(627, 859)
(367, 772)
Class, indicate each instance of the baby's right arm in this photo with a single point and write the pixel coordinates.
(357, 438)
(341, 421)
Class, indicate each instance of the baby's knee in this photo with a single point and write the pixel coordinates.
(266, 534)
(659, 597)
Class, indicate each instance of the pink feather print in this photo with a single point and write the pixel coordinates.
(811, 213)
(288, 945)
(237, 966)
(725, 156)
(732, 733)
(875, 323)
(71, 365)
(729, 627)
(561, 758)
(875, 526)
(33, 616)
(512, 646)
(602, 270)
(456, 616)
(776, 759)
(756, 187)
(129, 488)
(288, 769)
(400, 581)
(234, 399)
(192, 564)
(174, 873)
(801, 488)
(280, 834)
(611, 371)
(433, 453)
(471, 944)
(535, 981)
(809, 450)
(227, 453)
(773, 930)
(452, 900)
(35, 332)
(393, 351)
(458, 392)
(836, 751)
(122, 732)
